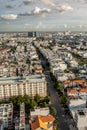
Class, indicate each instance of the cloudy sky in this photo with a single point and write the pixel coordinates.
(43, 15)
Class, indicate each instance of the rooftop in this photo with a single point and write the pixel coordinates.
(30, 78)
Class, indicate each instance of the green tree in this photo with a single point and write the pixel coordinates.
(60, 86)
(53, 111)
(13, 49)
(33, 104)
(19, 100)
(64, 100)
(14, 100)
(37, 98)
(26, 99)
(75, 70)
(45, 104)
(47, 99)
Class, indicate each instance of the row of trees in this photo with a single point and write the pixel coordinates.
(58, 85)
(37, 101)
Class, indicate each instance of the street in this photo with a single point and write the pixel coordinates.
(65, 122)
(55, 103)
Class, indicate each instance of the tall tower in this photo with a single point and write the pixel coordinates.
(31, 34)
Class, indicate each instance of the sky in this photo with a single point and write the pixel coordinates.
(43, 15)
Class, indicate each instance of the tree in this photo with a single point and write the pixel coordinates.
(33, 104)
(75, 70)
(64, 100)
(56, 122)
(19, 100)
(60, 86)
(37, 98)
(14, 100)
(26, 99)
(53, 111)
(47, 99)
(13, 49)
(45, 104)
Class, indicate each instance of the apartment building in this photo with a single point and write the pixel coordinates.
(6, 115)
(20, 121)
(31, 85)
(39, 111)
(22, 116)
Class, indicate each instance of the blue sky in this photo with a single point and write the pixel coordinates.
(43, 15)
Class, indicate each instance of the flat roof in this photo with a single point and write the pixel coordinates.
(30, 78)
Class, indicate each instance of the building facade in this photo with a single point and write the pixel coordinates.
(32, 85)
(6, 115)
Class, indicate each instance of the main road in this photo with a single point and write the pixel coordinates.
(56, 103)
(64, 122)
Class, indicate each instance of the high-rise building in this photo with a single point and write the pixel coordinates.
(31, 34)
(31, 85)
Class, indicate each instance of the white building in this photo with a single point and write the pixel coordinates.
(22, 117)
(39, 111)
(73, 63)
(20, 121)
(79, 112)
(85, 55)
(6, 115)
(31, 85)
(80, 118)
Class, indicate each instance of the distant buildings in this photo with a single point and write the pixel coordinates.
(31, 34)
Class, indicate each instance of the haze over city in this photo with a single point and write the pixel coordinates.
(43, 15)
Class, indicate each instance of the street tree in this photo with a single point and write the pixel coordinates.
(53, 111)
(45, 104)
(33, 104)
(26, 99)
(37, 98)
(64, 100)
(47, 99)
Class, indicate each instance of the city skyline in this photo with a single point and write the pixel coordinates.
(43, 15)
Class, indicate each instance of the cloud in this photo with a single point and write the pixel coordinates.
(64, 8)
(61, 8)
(48, 2)
(27, 2)
(36, 11)
(9, 16)
(55, 6)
